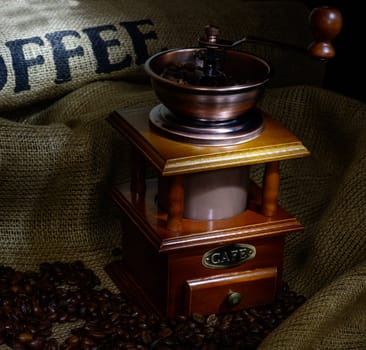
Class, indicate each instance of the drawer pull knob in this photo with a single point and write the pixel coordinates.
(234, 298)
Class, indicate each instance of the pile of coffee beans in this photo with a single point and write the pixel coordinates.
(186, 73)
(32, 303)
(190, 74)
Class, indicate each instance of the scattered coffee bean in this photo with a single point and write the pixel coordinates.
(190, 74)
(31, 302)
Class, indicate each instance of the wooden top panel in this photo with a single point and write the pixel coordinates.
(172, 157)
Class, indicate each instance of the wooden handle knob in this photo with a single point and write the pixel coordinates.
(212, 33)
(325, 23)
(234, 298)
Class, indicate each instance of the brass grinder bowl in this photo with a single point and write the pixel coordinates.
(209, 103)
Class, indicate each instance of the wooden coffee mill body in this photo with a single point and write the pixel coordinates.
(163, 251)
(173, 265)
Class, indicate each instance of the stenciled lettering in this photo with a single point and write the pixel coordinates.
(20, 63)
(100, 49)
(228, 256)
(61, 55)
(214, 258)
(3, 73)
(139, 39)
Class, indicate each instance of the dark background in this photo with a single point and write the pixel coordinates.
(346, 71)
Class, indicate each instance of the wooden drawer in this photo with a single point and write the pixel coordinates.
(231, 291)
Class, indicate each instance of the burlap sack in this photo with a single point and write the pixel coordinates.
(56, 171)
(57, 163)
(57, 166)
(49, 48)
(327, 192)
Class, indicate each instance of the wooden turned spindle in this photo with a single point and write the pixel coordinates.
(138, 181)
(271, 185)
(325, 23)
(175, 204)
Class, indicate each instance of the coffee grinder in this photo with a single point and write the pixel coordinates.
(201, 236)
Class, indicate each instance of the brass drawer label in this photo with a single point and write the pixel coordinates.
(227, 256)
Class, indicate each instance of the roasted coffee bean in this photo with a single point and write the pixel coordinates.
(73, 340)
(62, 317)
(25, 337)
(31, 302)
(51, 344)
(69, 347)
(87, 341)
(17, 345)
(198, 318)
(52, 316)
(36, 344)
(97, 335)
(212, 320)
(165, 332)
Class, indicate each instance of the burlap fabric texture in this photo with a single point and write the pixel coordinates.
(59, 156)
(57, 166)
(49, 48)
(327, 262)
